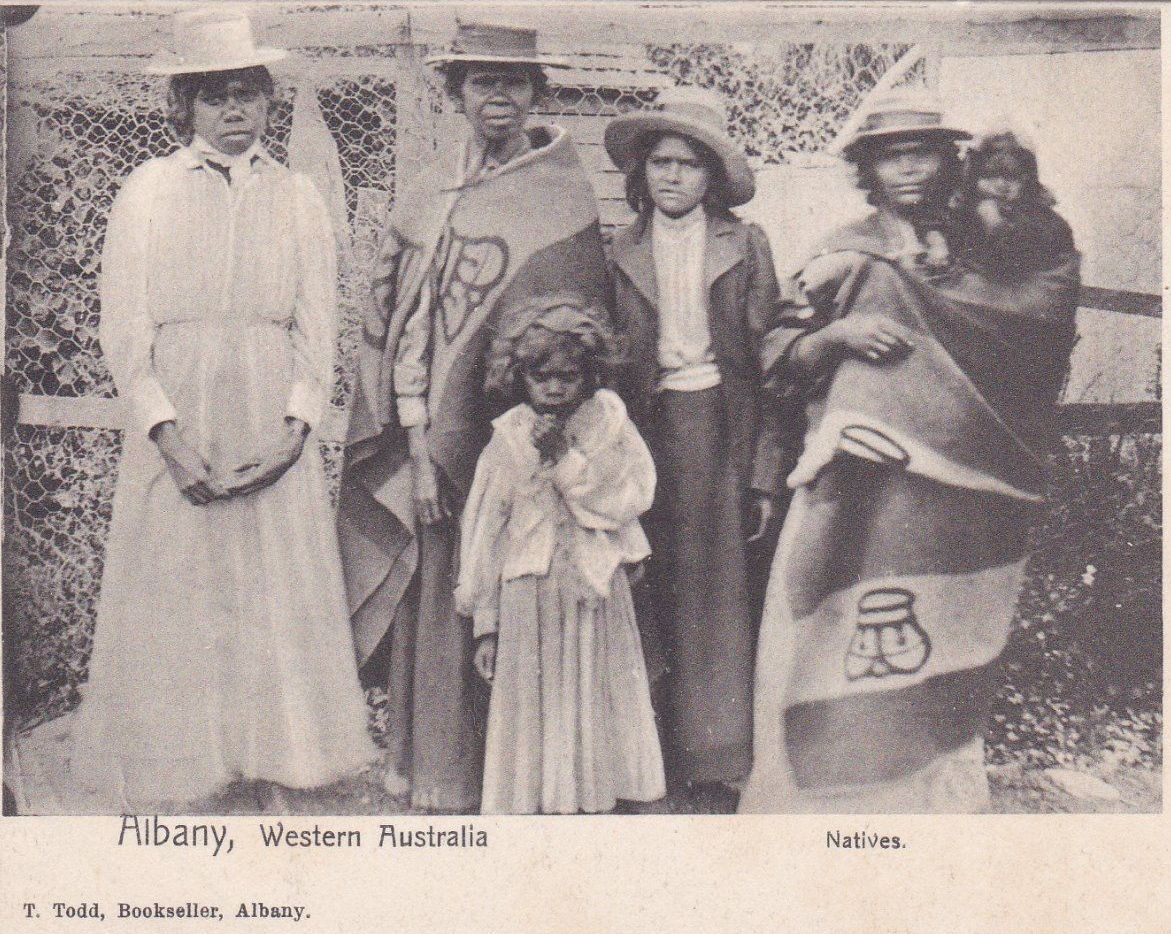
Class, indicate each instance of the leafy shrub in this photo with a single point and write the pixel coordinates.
(1084, 665)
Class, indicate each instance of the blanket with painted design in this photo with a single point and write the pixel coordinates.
(896, 578)
(462, 246)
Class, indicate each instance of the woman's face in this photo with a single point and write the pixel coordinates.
(676, 176)
(908, 173)
(557, 384)
(230, 112)
(497, 100)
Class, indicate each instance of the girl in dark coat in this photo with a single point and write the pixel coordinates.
(695, 293)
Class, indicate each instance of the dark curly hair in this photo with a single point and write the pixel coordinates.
(454, 74)
(183, 89)
(540, 328)
(638, 194)
(950, 171)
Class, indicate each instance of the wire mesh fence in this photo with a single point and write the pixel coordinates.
(783, 98)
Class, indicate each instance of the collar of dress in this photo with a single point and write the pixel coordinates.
(480, 160)
(199, 153)
(678, 227)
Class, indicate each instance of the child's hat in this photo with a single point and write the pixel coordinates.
(562, 313)
(689, 112)
(1005, 130)
(559, 313)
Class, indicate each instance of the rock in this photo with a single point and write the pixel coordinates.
(1082, 785)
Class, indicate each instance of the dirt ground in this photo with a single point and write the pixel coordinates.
(1015, 790)
(36, 772)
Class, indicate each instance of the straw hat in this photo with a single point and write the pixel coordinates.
(690, 112)
(213, 39)
(505, 45)
(905, 114)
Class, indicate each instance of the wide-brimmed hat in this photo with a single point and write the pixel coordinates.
(689, 112)
(503, 45)
(212, 39)
(910, 114)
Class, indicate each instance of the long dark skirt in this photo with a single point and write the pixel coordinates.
(436, 704)
(698, 590)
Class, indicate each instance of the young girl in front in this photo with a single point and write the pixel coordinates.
(549, 534)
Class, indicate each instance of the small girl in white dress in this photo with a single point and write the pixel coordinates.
(549, 531)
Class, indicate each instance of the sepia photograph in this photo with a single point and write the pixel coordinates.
(740, 419)
(424, 412)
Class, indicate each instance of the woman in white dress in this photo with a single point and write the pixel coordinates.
(222, 649)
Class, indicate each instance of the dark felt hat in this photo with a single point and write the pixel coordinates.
(505, 45)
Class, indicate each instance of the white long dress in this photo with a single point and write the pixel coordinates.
(222, 647)
(570, 725)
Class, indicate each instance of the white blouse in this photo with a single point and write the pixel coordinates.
(218, 295)
(686, 358)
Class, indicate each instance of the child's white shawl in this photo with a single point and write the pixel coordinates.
(519, 510)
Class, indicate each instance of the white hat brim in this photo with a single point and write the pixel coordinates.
(624, 132)
(172, 65)
(446, 58)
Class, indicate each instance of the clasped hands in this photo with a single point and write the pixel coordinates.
(200, 484)
(549, 437)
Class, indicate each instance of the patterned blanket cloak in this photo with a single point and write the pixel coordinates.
(895, 581)
(471, 247)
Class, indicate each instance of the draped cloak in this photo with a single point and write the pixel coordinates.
(464, 248)
(895, 581)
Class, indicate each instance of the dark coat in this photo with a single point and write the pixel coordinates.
(743, 307)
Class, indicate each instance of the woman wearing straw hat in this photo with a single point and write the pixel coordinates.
(222, 649)
(695, 293)
(508, 215)
(894, 584)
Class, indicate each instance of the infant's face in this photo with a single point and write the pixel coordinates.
(1002, 187)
